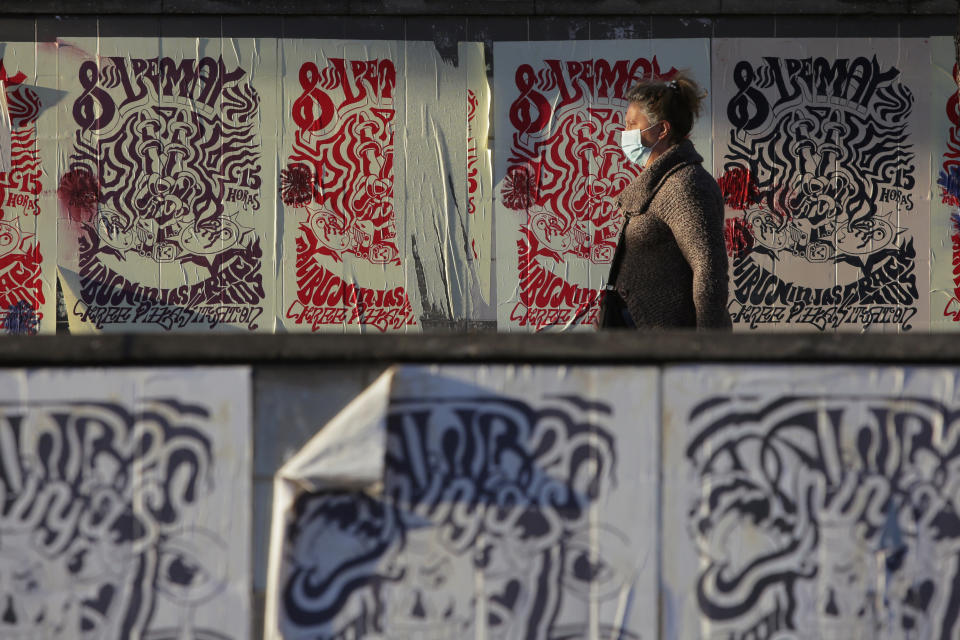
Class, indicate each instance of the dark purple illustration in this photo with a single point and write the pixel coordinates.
(165, 163)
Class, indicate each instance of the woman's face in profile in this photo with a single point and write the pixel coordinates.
(635, 118)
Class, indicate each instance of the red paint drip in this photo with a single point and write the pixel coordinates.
(79, 193)
(738, 235)
(739, 188)
(296, 185)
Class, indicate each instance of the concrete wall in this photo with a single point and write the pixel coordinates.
(301, 382)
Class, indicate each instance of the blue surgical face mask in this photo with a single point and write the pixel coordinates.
(633, 146)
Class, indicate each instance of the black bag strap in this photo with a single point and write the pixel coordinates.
(618, 254)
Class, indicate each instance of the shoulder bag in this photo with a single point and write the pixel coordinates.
(614, 313)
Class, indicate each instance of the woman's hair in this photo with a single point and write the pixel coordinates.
(676, 100)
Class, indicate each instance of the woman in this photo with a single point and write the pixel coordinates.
(673, 268)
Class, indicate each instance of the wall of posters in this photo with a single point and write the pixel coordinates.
(269, 184)
(810, 502)
(27, 210)
(473, 502)
(126, 509)
(558, 168)
(823, 156)
(166, 222)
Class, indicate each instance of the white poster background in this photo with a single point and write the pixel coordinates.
(809, 502)
(170, 448)
(589, 158)
(504, 443)
(836, 171)
(179, 177)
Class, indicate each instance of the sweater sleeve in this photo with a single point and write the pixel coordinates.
(695, 216)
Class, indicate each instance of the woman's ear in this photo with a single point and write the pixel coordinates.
(667, 131)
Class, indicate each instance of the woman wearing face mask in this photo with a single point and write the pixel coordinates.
(672, 269)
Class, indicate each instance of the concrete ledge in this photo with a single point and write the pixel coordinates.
(351, 350)
(487, 7)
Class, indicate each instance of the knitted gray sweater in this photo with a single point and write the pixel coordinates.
(674, 268)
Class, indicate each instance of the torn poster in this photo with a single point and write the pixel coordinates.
(559, 167)
(165, 219)
(487, 502)
(479, 184)
(27, 215)
(823, 161)
(145, 477)
(811, 502)
(945, 199)
(374, 191)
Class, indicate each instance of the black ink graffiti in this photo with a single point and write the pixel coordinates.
(825, 143)
(91, 517)
(885, 295)
(172, 179)
(827, 517)
(479, 485)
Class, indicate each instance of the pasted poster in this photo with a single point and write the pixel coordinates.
(823, 157)
(482, 307)
(27, 237)
(125, 510)
(945, 203)
(811, 503)
(166, 222)
(473, 503)
(373, 189)
(559, 168)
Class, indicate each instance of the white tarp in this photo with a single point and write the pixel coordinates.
(126, 504)
(473, 502)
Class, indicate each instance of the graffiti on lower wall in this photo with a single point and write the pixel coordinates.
(495, 514)
(811, 503)
(123, 512)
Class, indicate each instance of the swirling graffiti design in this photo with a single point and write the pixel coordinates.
(827, 517)
(92, 501)
(478, 484)
(831, 175)
(345, 155)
